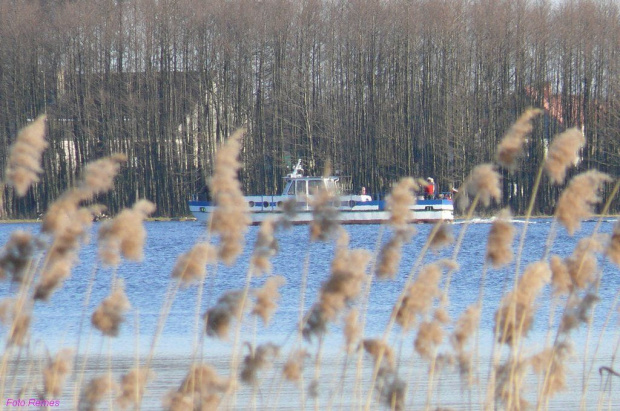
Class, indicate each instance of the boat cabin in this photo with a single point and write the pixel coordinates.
(298, 185)
(304, 186)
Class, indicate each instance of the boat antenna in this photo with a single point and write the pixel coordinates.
(298, 171)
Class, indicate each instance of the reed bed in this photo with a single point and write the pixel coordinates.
(443, 368)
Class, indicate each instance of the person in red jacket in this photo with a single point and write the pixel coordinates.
(429, 190)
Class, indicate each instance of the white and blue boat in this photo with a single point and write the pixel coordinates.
(353, 208)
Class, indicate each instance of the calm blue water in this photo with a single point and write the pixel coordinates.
(57, 322)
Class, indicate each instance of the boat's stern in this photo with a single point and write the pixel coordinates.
(429, 211)
(201, 209)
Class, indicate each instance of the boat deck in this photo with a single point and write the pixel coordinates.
(350, 210)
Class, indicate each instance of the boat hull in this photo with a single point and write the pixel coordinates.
(350, 210)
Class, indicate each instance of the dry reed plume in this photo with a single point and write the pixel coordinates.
(390, 386)
(294, 366)
(390, 254)
(348, 273)
(289, 212)
(17, 254)
(324, 215)
(7, 311)
(176, 401)
(430, 335)
(483, 183)
(266, 246)
(442, 236)
(68, 223)
(499, 243)
(552, 361)
(563, 153)
(511, 146)
(578, 199)
(17, 320)
(257, 359)
(219, 317)
(65, 220)
(52, 278)
(419, 297)
(398, 202)
(560, 278)
(401, 198)
(392, 391)
(19, 331)
(577, 312)
(191, 267)
(56, 372)
(99, 175)
(60, 213)
(124, 235)
(509, 387)
(133, 385)
(24, 163)
(267, 298)
(230, 218)
(62, 253)
(465, 327)
(352, 330)
(96, 390)
(582, 264)
(380, 351)
(613, 248)
(201, 389)
(108, 316)
(516, 313)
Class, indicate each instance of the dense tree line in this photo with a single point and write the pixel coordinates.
(381, 89)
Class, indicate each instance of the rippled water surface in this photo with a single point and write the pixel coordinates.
(59, 322)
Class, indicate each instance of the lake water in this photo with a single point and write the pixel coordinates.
(57, 323)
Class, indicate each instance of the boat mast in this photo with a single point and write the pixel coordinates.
(297, 171)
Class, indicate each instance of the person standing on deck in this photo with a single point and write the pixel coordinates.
(429, 189)
(364, 196)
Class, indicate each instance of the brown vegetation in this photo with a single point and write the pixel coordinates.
(420, 308)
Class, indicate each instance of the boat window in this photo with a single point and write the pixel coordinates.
(301, 188)
(291, 189)
(315, 186)
(331, 184)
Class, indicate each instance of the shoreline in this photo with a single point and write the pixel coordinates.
(193, 219)
(152, 219)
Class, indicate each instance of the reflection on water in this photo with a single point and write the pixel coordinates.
(57, 322)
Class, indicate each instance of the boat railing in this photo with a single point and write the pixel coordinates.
(345, 185)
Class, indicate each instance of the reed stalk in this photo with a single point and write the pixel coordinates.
(609, 379)
(234, 362)
(300, 325)
(494, 363)
(170, 295)
(366, 393)
(444, 298)
(588, 373)
(392, 318)
(604, 212)
(85, 303)
(19, 306)
(366, 296)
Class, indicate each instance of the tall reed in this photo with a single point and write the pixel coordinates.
(421, 332)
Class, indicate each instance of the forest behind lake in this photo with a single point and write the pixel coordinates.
(381, 90)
